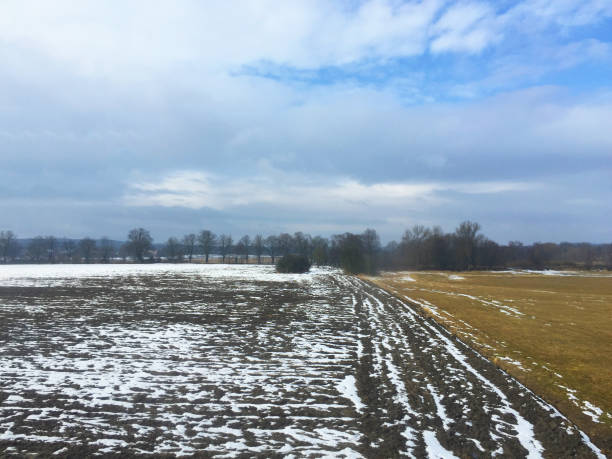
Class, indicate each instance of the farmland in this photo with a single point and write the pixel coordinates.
(551, 330)
(238, 360)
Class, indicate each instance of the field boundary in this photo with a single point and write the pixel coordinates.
(428, 314)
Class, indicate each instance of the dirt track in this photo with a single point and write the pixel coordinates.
(199, 363)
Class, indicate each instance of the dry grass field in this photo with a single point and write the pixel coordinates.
(551, 330)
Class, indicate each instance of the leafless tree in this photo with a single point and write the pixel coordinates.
(51, 246)
(8, 245)
(37, 248)
(189, 243)
(302, 243)
(273, 246)
(225, 245)
(371, 247)
(245, 246)
(414, 246)
(371, 241)
(173, 249)
(320, 248)
(70, 248)
(124, 251)
(285, 242)
(207, 239)
(87, 247)
(139, 243)
(465, 238)
(106, 249)
(258, 247)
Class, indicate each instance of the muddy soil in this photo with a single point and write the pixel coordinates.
(186, 364)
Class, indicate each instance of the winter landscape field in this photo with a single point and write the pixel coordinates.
(550, 329)
(229, 361)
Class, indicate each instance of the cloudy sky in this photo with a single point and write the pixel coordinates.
(319, 116)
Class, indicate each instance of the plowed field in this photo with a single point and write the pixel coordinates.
(237, 360)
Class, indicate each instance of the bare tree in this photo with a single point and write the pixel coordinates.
(302, 243)
(542, 253)
(466, 238)
(189, 243)
(319, 250)
(37, 248)
(106, 249)
(207, 239)
(139, 243)
(70, 248)
(371, 247)
(285, 242)
(245, 246)
(371, 241)
(488, 253)
(273, 246)
(87, 247)
(351, 254)
(51, 246)
(8, 245)
(124, 251)
(414, 246)
(173, 249)
(258, 247)
(225, 245)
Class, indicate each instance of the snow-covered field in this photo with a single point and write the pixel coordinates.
(236, 360)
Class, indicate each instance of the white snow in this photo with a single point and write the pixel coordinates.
(434, 449)
(70, 274)
(446, 421)
(348, 389)
(526, 435)
(103, 359)
(591, 410)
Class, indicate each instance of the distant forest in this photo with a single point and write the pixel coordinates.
(420, 248)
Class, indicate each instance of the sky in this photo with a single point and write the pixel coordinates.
(248, 117)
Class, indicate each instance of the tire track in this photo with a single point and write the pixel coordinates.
(450, 401)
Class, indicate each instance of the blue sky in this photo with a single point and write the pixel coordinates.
(317, 116)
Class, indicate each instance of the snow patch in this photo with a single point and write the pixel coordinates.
(434, 449)
(348, 389)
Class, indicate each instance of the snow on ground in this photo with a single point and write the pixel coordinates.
(216, 358)
(348, 389)
(553, 272)
(71, 274)
(231, 359)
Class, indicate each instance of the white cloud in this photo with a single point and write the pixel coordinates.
(197, 190)
(537, 14)
(141, 38)
(116, 38)
(468, 27)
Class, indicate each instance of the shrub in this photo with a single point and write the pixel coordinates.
(293, 264)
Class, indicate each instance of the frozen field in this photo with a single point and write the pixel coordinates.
(230, 360)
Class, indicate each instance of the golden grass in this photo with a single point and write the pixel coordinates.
(553, 333)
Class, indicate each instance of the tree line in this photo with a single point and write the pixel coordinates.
(419, 248)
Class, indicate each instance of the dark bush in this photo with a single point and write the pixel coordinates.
(293, 264)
